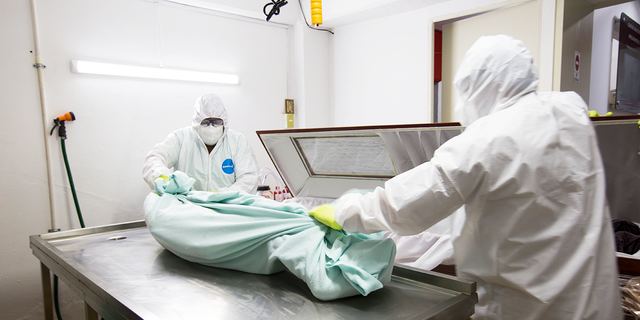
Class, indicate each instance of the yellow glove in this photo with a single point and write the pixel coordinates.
(324, 214)
(593, 113)
(164, 177)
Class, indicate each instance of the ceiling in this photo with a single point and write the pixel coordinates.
(335, 12)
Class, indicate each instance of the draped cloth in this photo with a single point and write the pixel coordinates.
(238, 231)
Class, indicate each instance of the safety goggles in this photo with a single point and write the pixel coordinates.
(212, 122)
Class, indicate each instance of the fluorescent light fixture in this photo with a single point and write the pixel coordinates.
(79, 66)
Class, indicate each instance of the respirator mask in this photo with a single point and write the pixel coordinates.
(210, 131)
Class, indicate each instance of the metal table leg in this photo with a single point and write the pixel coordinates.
(89, 313)
(46, 292)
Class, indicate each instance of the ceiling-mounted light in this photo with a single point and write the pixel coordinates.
(110, 69)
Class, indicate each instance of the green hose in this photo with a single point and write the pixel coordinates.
(55, 296)
(75, 201)
(73, 188)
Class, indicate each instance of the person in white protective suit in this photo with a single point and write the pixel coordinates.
(218, 158)
(537, 235)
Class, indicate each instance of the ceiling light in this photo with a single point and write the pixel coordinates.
(89, 67)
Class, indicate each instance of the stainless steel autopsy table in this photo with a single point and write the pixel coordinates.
(121, 272)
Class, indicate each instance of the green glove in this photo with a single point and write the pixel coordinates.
(593, 113)
(324, 214)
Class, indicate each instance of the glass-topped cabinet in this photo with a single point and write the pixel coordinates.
(326, 162)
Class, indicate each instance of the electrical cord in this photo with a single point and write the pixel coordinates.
(275, 10)
(305, 20)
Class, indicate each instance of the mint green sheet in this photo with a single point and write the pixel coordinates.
(235, 230)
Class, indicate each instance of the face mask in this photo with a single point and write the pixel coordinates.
(210, 134)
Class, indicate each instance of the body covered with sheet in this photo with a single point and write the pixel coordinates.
(235, 230)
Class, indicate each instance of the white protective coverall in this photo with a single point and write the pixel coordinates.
(231, 165)
(537, 237)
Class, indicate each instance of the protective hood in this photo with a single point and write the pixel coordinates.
(494, 73)
(209, 106)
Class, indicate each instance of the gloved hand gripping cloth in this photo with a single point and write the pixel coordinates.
(235, 230)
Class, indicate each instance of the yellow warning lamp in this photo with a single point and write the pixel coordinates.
(316, 12)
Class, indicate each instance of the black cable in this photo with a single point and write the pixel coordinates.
(275, 10)
(305, 20)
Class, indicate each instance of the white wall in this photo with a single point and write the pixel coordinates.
(577, 36)
(118, 119)
(24, 206)
(312, 77)
(382, 68)
(601, 51)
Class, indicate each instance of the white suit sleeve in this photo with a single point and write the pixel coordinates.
(161, 159)
(408, 204)
(246, 168)
(417, 199)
